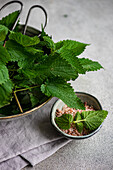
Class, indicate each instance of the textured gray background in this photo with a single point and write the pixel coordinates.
(91, 22)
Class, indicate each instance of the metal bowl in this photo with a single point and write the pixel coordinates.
(85, 97)
(30, 32)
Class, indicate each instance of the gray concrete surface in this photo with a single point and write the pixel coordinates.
(91, 22)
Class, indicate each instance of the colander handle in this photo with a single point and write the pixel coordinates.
(34, 6)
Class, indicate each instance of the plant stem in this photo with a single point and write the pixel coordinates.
(77, 121)
(4, 44)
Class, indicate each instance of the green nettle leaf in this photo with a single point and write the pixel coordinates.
(93, 119)
(4, 76)
(29, 74)
(25, 58)
(89, 65)
(15, 50)
(3, 32)
(75, 46)
(69, 49)
(71, 58)
(24, 40)
(1, 43)
(36, 96)
(4, 55)
(79, 125)
(9, 20)
(45, 90)
(21, 81)
(64, 91)
(61, 68)
(49, 42)
(59, 44)
(34, 100)
(64, 121)
(37, 81)
(34, 50)
(5, 93)
(53, 65)
(19, 54)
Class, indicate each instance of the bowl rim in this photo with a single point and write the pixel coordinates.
(70, 136)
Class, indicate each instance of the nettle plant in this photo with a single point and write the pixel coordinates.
(33, 69)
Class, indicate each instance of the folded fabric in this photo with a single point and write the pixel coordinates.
(29, 140)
